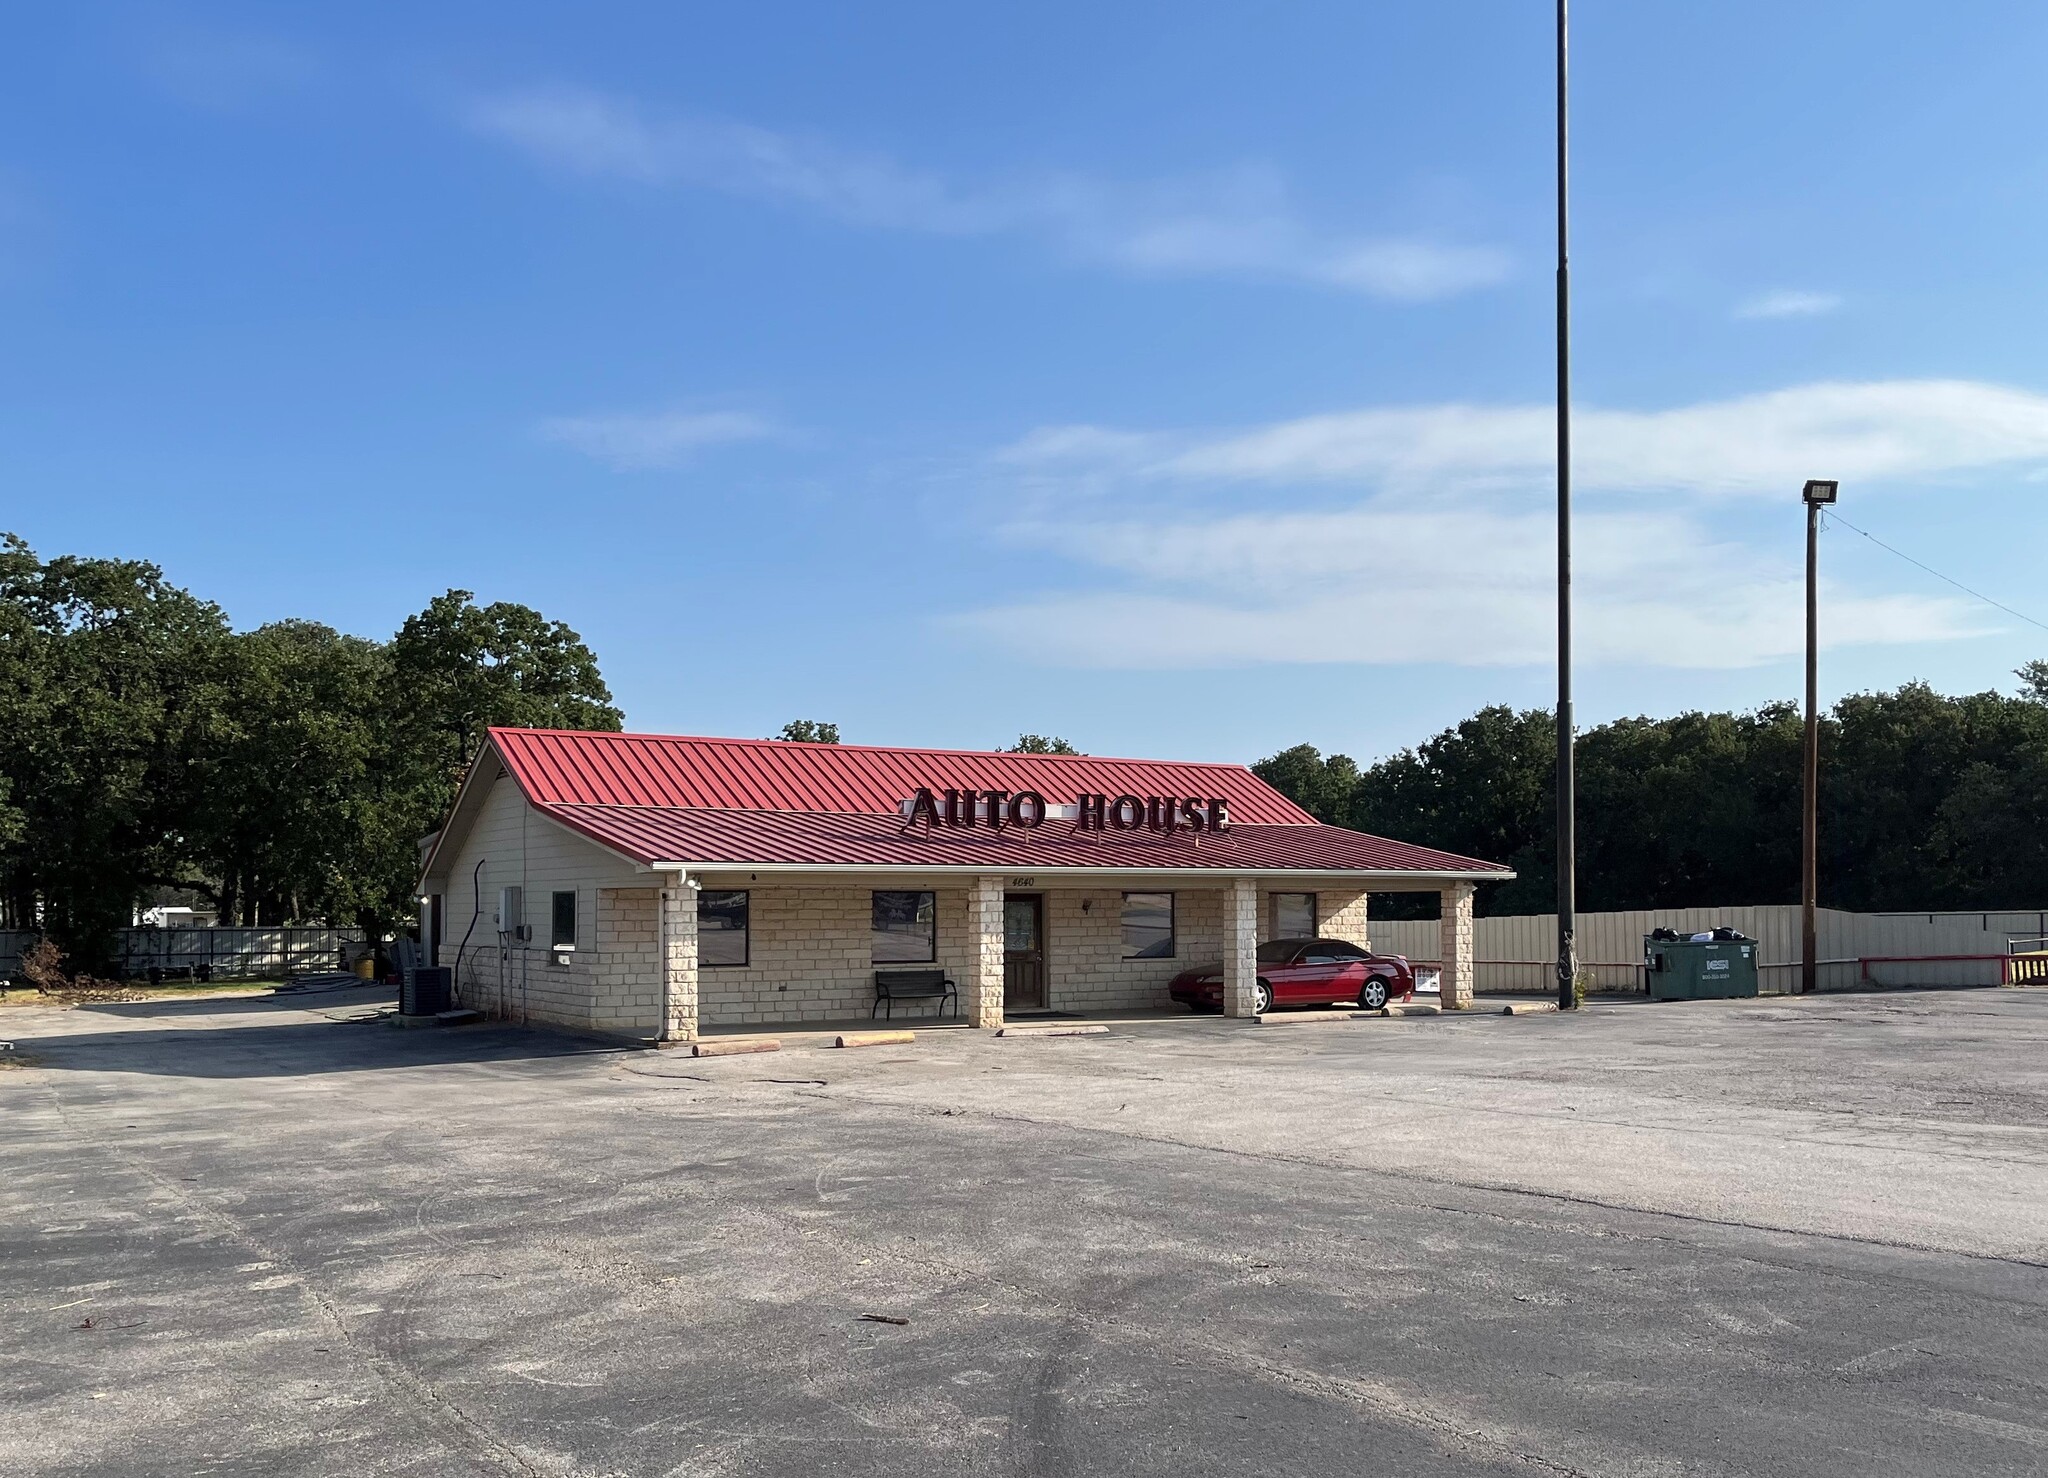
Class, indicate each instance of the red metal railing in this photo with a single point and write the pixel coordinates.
(2006, 964)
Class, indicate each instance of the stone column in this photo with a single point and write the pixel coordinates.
(1454, 952)
(678, 959)
(1240, 946)
(982, 990)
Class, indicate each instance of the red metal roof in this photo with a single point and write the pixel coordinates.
(562, 766)
(745, 838)
(771, 803)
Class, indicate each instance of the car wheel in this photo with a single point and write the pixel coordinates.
(1372, 996)
(1262, 998)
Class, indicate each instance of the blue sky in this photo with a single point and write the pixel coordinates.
(1172, 378)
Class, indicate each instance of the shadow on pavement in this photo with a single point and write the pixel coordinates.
(175, 1007)
(175, 1039)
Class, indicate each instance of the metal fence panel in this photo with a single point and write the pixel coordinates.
(1517, 952)
(228, 953)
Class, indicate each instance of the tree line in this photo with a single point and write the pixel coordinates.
(285, 774)
(1926, 802)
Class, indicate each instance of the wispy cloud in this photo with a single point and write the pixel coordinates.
(1788, 303)
(1470, 585)
(663, 439)
(1424, 533)
(1870, 430)
(1237, 223)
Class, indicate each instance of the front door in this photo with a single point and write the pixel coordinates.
(1023, 952)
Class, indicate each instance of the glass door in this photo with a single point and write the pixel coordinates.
(1023, 952)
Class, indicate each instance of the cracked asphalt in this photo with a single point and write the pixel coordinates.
(263, 1236)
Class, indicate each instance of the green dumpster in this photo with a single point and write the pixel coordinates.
(1699, 969)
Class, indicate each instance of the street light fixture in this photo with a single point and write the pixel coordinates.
(1817, 494)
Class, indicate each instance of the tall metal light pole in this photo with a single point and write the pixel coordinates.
(1567, 786)
(1817, 495)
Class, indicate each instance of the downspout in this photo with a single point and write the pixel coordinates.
(476, 909)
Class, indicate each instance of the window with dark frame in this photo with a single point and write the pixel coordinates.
(1148, 926)
(564, 930)
(722, 927)
(1294, 916)
(904, 929)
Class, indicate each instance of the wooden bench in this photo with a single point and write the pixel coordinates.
(892, 986)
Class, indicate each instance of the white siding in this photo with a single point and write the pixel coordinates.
(514, 979)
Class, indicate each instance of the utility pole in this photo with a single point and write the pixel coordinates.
(1816, 495)
(1567, 786)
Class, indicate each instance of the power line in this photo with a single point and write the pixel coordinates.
(1834, 517)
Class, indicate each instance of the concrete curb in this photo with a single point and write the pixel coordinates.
(1052, 1031)
(735, 1046)
(1310, 1018)
(1529, 1008)
(873, 1039)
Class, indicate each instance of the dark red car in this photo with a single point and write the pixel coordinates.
(1309, 972)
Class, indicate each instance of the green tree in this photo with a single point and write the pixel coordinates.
(1702, 807)
(809, 731)
(1484, 788)
(1321, 787)
(286, 799)
(458, 668)
(1040, 744)
(453, 671)
(104, 669)
(1921, 797)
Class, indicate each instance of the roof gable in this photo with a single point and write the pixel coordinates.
(572, 767)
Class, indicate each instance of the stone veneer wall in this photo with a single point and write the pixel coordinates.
(613, 988)
(1338, 916)
(1085, 965)
(810, 956)
(810, 951)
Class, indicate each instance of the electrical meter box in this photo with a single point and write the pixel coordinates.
(512, 912)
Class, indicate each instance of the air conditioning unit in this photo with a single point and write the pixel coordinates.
(512, 912)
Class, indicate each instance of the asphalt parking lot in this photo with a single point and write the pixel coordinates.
(252, 1236)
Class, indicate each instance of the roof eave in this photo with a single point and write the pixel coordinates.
(488, 748)
(1022, 868)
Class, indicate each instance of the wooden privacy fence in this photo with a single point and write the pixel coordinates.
(1518, 952)
(227, 953)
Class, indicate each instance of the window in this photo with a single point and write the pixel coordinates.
(905, 929)
(1331, 952)
(1148, 926)
(722, 928)
(1294, 915)
(1279, 951)
(565, 920)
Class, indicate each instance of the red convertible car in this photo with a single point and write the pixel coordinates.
(1310, 972)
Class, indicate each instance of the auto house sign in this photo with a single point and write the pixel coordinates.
(959, 809)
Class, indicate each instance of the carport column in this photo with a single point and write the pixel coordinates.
(678, 960)
(1240, 946)
(1454, 953)
(984, 983)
